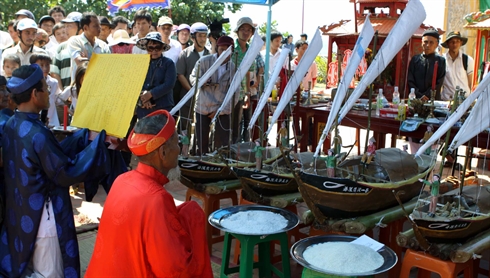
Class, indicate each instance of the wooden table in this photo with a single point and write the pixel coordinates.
(358, 119)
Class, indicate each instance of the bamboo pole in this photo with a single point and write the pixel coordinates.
(365, 223)
(476, 245)
(403, 238)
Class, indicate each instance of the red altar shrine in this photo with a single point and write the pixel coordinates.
(384, 14)
(480, 21)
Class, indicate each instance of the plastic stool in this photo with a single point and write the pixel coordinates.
(427, 264)
(211, 203)
(247, 263)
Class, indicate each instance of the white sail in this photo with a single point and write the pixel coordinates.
(405, 27)
(477, 121)
(202, 80)
(362, 43)
(304, 64)
(252, 52)
(268, 88)
(483, 87)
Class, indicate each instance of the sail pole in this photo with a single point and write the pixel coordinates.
(371, 87)
(448, 133)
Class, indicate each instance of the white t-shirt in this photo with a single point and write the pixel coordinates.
(456, 75)
(174, 51)
(53, 96)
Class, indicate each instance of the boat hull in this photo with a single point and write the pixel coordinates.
(201, 172)
(265, 183)
(455, 229)
(344, 198)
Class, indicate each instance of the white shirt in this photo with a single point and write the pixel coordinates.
(80, 44)
(174, 51)
(24, 57)
(273, 59)
(52, 45)
(53, 96)
(456, 75)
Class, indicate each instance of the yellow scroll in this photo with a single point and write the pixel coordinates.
(111, 87)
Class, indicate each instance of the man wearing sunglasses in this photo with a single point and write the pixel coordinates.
(157, 91)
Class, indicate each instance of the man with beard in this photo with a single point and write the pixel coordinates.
(140, 224)
(26, 30)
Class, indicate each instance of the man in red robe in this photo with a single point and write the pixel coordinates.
(142, 233)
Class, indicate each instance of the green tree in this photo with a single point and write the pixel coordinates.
(321, 63)
(263, 27)
(183, 11)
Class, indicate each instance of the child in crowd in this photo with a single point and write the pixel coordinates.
(44, 62)
(59, 32)
(10, 63)
(70, 95)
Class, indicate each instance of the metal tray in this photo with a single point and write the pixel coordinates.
(299, 247)
(216, 217)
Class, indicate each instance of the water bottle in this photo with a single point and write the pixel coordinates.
(411, 96)
(379, 102)
(396, 97)
(401, 111)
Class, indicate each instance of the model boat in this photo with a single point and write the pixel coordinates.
(356, 190)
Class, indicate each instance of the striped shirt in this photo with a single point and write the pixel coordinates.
(61, 64)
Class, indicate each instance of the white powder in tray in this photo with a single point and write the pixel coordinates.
(343, 257)
(254, 222)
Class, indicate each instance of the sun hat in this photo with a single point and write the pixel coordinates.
(165, 20)
(121, 36)
(46, 17)
(72, 17)
(25, 12)
(26, 23)
(454, 34)
(152, 36)
(224, 40)
(244, 20)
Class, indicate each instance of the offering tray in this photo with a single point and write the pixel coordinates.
(216, 217)
(299, 247)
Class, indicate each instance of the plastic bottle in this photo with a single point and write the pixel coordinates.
(402, 110)
(411, 96)
(396, 97)
(379, 102)
(274, 93)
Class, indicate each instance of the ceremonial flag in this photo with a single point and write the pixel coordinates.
(127, 5)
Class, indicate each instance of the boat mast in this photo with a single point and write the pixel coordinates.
(454, 105)
(371, 87)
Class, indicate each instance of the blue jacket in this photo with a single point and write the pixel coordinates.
(160, 81)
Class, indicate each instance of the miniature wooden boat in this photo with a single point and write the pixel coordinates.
(451, 224)
(357, 190)
(274, 179)
(217, 167)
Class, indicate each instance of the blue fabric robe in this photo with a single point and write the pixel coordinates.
(37, 167)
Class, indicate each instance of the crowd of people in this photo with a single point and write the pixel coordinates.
(42, 68)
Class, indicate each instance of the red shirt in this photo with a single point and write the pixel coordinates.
(143, 234)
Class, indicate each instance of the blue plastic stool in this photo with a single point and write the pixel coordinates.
(247, 263)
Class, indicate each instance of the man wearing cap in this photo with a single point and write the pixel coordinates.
(47, 23)
(244, 30)
(211, 96)
(183, 34)
(459, 66)
(27, 30)
(421, 67)
(185, 64)
(83, 46)
(105, 29)
(142, 233)
(39, 237)
(61, 65)
(165, 25)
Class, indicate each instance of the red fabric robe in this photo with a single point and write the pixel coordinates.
(143, 234)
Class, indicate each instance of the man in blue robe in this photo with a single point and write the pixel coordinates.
(38, 233)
